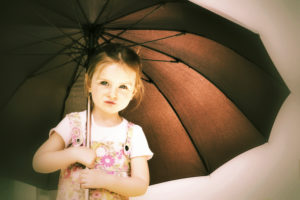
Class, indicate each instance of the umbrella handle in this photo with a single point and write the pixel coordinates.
(88, 123)
(88, 134)
(86, 194)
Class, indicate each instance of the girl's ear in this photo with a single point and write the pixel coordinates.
(134, 92)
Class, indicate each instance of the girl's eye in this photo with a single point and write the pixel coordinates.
(124, 87)
(105, 83)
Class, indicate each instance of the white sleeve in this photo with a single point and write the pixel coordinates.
(64, 130)
(139, 144)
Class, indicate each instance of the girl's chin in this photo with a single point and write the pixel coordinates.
(108, 111)
(110, 108)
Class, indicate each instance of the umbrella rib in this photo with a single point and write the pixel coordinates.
(153, 49)
(170, 61)
(82, 11)
(138, 21)
(163, 38)
(77, 19)
(147, 80)
(76, 16)
(74, 41)
(101, 12)
(42, 54)
(55, 11)
(48, 40)
(25, 78)
(181, 122)
(58, 53)
(150, 41)
(53, 68)
(106, 40)
(134, 11)
(75, 76)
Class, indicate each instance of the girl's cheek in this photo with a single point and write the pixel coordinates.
(101, 90)
(126, 94)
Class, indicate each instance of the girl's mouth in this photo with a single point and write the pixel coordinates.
(110, 102)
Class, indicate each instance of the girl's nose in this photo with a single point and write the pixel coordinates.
(112, 93)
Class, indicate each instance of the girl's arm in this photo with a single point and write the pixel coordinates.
(135, 185)
(52, 155)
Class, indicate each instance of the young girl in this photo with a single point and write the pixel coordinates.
(116, 163)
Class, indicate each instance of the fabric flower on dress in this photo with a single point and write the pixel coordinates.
(96, 194)
(107, 161)
(75, 131)
(101, 151)
(111, 172)
(77, 139)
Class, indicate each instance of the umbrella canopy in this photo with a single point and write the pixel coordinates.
(211, 90)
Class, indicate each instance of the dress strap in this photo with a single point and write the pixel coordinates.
(77, 135)
(127, 145)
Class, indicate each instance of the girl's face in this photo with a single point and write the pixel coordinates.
(112, 88)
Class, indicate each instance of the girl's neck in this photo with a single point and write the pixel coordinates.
(106, 119)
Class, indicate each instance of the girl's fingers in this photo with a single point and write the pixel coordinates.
(82, 180)
(84, 172)
(82, 177)
(84, 185)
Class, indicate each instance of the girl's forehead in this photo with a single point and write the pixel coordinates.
(115, 72)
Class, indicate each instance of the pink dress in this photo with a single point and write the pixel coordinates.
(111, 157)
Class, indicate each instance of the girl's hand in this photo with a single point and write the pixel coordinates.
(84, 156)
(92, 178)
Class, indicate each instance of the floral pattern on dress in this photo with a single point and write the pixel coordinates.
(107, 161)
(112, 157)
(77, 138)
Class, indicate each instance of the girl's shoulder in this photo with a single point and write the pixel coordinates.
(80, 113)
(77, 116)
(135, 127)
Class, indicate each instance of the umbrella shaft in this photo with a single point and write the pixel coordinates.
(86, 194)
(88, 135)
(88, 123)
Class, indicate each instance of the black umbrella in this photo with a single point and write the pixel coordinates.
(212, 92)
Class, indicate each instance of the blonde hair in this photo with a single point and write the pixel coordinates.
(115, 53)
